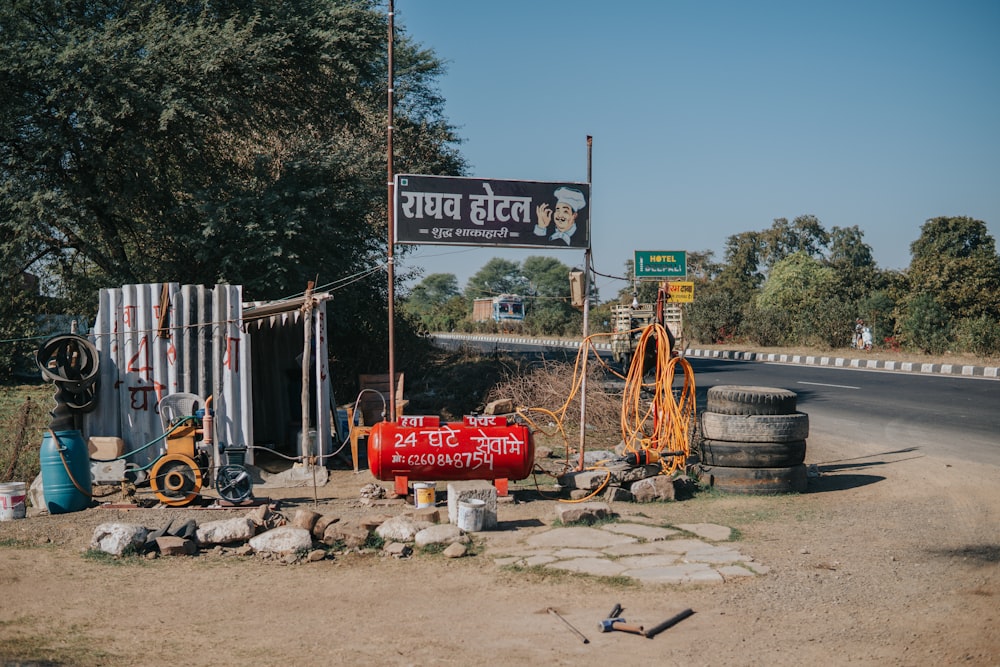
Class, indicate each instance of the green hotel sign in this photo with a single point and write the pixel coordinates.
(661, 264)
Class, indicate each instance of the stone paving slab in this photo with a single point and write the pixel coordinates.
(577, 536)
(708, 531)
(686, 573)
(600, 567)
(649, 533)
(655, 554)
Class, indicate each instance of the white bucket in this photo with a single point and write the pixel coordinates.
(12, 501)
(470, 514)
(423, 494)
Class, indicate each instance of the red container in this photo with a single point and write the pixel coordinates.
(451, 451)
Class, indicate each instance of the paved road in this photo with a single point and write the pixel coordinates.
(939, 416)
(951, 416)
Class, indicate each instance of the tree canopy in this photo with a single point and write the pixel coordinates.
(205, 142)
(955, 259)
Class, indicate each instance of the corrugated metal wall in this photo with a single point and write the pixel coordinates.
(161, 338)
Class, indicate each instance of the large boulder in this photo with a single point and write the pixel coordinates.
(282, 540)
(226, 531)
(116, 538)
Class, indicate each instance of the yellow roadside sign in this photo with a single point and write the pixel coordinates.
(680, 292)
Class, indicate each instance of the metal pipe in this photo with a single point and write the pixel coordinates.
(586, 313)
(391, 219)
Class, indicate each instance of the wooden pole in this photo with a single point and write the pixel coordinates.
(307, 322)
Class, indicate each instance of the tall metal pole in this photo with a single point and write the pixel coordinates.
(392, 231)
(586, 310)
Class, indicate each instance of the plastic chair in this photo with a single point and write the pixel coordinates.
(175, 406)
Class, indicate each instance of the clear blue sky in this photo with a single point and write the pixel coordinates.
(712, 118)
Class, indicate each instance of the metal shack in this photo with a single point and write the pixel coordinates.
(157, 339)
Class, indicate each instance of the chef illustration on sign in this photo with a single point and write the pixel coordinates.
(569, 201)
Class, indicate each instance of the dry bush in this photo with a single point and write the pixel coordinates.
(22, 422)
(548, 384)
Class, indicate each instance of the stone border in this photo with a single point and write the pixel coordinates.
(951, 370)
(954, 370)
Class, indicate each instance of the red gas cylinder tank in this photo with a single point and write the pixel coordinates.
(421, 448)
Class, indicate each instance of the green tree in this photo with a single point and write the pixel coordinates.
(548, 285)
(210, 142)
(741, 272)
(804, 234)
(956, 261)
(432, 291)
(430, 301)
(848, 249)
(498, 276)
(803, 288)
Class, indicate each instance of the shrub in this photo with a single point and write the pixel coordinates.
(925, 326)
(978, 335)
(768, 326)
(714, 317)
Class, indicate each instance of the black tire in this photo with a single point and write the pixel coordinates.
(752, 454)
(739, 400)
(755, 428)
(755, 481)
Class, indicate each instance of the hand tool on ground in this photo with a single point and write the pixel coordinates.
(571, 626)
(673, 620)
(619, 624)
(615, 611)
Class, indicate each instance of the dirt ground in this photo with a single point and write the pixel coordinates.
(891, 558)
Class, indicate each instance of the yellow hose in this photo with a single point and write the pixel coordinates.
(661, 430)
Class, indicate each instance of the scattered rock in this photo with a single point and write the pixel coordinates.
(398, 550)
(583, 512)
(401, 528)
(116, 538)
(588, 480)
(372, 491)
(629, 474)
(319, 528)
(373, 521)
(169, 545)
(445, 533)
(283, 540)
(456, 550)
(259, 515)
(618, 494)
(305, 519)
(652, 489)
(351, 533)
(316, 555)
(226, 531)
(501, 406)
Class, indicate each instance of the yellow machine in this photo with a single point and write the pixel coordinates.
(176, 476)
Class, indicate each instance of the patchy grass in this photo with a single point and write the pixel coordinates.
(543, 574)
(130, 556)
(71, 645)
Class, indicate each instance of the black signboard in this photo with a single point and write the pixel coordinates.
(450, 210)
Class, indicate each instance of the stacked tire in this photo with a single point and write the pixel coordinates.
(753, 440)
